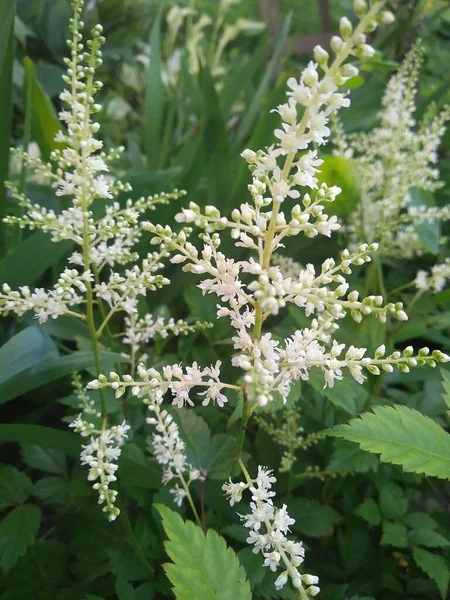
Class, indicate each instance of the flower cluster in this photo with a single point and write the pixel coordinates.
(436, 280)
(202, 47)
(101, 456)
(393, 158)
(139, 332)
(170, 451)
(252, 290)
(268, 528)
(99, 281)
(174, 379)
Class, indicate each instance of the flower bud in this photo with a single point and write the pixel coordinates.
(321, 56)
(386, 18)
(359, 7)
(336, 43)
(345, 28)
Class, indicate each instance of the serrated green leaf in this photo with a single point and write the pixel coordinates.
(18, 532)
(392, 499)
(349, 457)
(14, 486)
(428, 538)
(420, 520)
(394, 534)
(124, 589)
(312, 518)
(369, 511)
(435, 566)
(402, 436)
(203, 566)
(51, 490)
(196, 434)
(44, 459)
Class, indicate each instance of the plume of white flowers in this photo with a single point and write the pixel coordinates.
(251, 290)
(268, 528)
(436, 280)
(396, 156)
(99, 281)
(170, 452)
(101, 455)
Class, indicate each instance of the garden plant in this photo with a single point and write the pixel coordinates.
(225, 320)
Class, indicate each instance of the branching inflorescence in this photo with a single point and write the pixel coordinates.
(99, 281)
(252, 290)
(392, 159)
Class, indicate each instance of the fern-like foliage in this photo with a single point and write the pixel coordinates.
(401, 436)
(203, 566)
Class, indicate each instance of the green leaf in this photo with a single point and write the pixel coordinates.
(224, 447)
(23, 351)
(7, 12)
(392, 499)
(154, 99)
(124, 589)
(31, 258)
(435, 567)
(394, 534)
(203, 567)
(402, 436)
(52, 369)
(239, 79)
(420, 520)
(195, 433)
(52, 490)
(215, 140)
(64, 441)
(349, 457)
(342, 172)
(44, 120)
(369, 511)
(426, 537)
(44, 459)
(255, 105)
(18, 532)
(15, 486)
(135, 469)
(446, 386)
(312, 518)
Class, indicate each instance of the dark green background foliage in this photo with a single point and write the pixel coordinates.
(371, 531)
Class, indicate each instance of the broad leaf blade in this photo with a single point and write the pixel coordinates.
(52, 369)
(203, 566)
(18, 532)
(23, 351)
(402, 436)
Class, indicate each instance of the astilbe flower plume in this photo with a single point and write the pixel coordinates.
(104, 270)
(396, 156)
(268, 528)
(251, 290)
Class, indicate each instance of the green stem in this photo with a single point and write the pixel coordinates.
(191, 502)
(241, 437)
